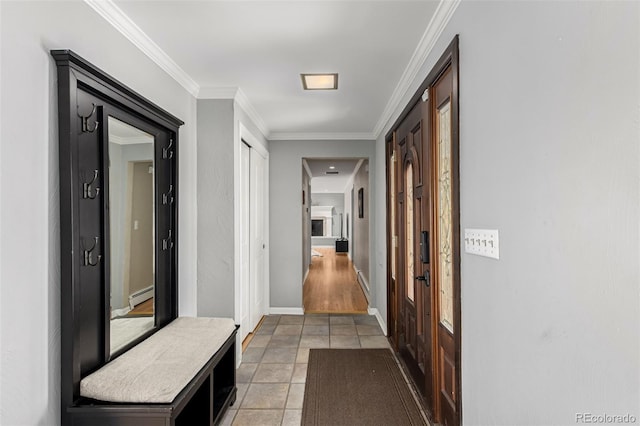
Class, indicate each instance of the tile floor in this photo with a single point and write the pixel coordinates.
(272, 375)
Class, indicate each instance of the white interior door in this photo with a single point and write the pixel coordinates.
(246, 325)
(257, 228)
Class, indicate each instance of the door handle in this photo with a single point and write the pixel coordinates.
(424, 278)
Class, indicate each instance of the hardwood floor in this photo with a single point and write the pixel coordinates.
(143, 309)
(332, 286)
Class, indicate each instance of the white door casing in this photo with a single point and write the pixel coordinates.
(257, 237)
(245, 240)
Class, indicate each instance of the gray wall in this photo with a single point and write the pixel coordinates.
(285, 201)
(361, 224)
(29, 222)
(549, 130)
(215, 207)
(306, 222)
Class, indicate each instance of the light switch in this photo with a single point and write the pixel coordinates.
(482, 242)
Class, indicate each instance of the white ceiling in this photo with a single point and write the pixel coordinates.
(125, 134)
(261, 47)
(344, 166)
(321, 182)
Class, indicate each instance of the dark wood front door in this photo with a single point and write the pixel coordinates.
(414, 291)
(424, 240)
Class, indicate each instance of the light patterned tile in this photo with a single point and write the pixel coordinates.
(252, 355)
(315, 330)
(316, 319)
(258, 417)
(303, 356)
(244, 373)
(299, 373)
(242, 390)
(273, 373)
(296, 396)
(259, 341)
(374, 342)
(271, 319)
(292, 418)
(266, 329)
(291, 320)
(345, 342)
(369, 330)
(284, 341)
(265, 395)
(341, 320)
(365, 319)
(228, 417)
(288, 330)
(279, 355)
(344, 330)
(314, 342)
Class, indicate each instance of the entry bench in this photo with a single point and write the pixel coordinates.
(184, 374)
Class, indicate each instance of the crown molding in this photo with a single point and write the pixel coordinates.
(121, 22)
(304, 136)
(217, 92)
(438, 22)
(248, 108)
(130, 140)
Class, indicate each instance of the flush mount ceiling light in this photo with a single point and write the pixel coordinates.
(319, 81)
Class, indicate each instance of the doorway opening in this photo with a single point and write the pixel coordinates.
(335, 235)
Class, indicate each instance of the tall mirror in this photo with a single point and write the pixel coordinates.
(132, 238)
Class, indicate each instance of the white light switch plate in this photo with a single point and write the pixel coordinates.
(482, 242)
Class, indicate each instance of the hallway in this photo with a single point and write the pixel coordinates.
(332, 286)
(271, 378)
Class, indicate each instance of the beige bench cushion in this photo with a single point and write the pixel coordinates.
(157, 369)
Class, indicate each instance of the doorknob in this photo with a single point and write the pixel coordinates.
(424, 278)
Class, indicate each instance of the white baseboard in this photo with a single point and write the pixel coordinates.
(140, 296)
(285, 311)
(383, 324)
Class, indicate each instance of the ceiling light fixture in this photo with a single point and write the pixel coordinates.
(319, 81)
(332, 167)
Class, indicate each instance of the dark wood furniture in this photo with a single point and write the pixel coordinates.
(202, 402)
(87, 98)
(342, 245)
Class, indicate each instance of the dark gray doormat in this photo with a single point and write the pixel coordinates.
(357, 387)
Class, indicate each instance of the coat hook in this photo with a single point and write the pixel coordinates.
(167, 153)
(168, 198)
(88, 191)
(167, 244)
(85, 120)
(88, 254)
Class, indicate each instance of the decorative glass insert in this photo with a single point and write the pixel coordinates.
(394, 237)
(409, 231)
(444, 221)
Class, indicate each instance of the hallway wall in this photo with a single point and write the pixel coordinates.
(549, 102)
(362, 225)
(286, 221)
(29, 194)
(216, 214)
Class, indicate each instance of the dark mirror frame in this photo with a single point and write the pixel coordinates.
(86, 97)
